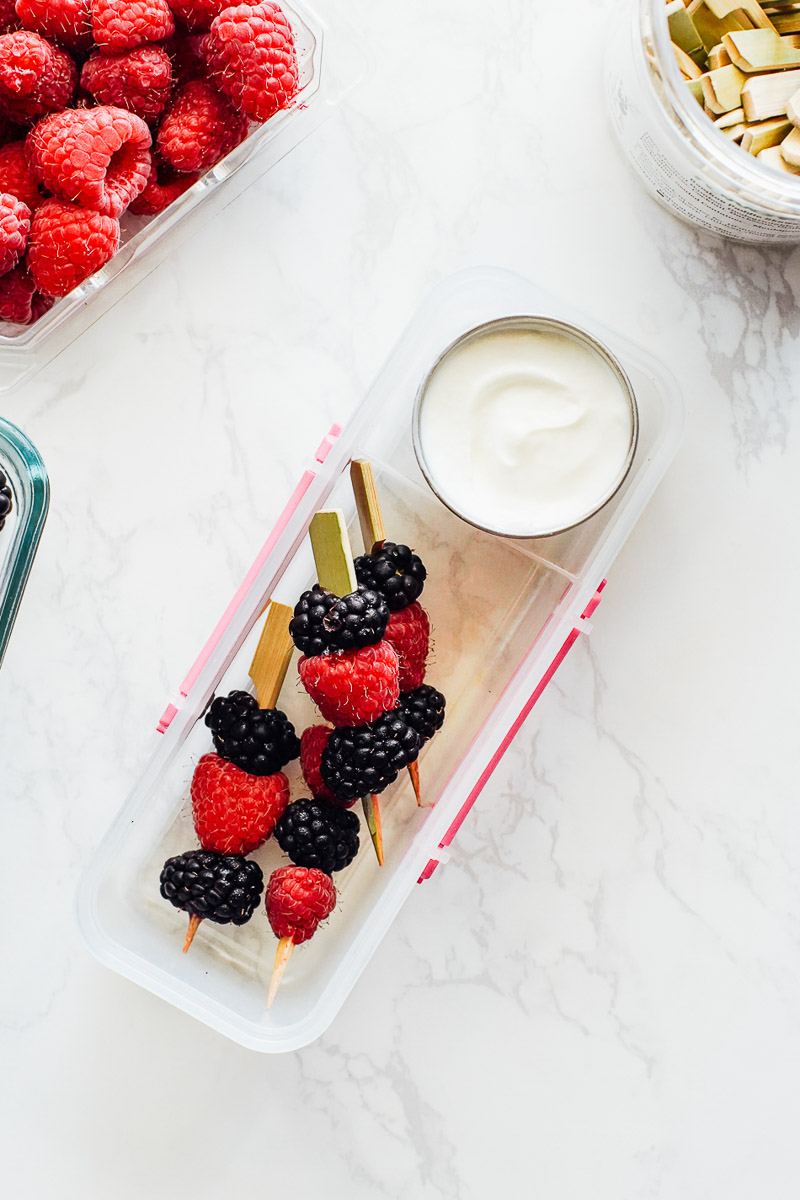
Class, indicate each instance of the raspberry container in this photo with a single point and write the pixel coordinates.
(504, 613)
(19, 537)
(331, 62)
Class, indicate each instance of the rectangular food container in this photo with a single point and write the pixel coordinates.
(331, 62)
(19, 537)
(504, 613)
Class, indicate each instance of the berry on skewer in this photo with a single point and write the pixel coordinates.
(240, 792)
(223, 888)
(297, 899)
(312, 744)
(399, 575)
(350, 672)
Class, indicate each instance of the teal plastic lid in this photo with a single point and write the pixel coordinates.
(19, 539)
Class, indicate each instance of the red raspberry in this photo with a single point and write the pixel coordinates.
(17, 177)
(15, 225)
(297, 899)
(67, 244)
(35, 76)
(96, 157)
(200, 128)
(409, 631)
(139, 80)
(251, 56)
(234, 812)
(163, 186)
(67, 21)
(16, 296)
(312, 743)
(123, 24)
(184, 52)
(198, 14)
(9, 21)
(353, 687)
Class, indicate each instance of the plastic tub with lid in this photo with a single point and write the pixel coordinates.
(504, 612)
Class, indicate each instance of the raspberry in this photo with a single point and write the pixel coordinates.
(139, 80)
(35, 76)
(15, 225)
(9, 21)
(163, 186)
(67, 244)
(298, 898)
(409, 631)
(200, 128)
(17, 177)
(124, 24)
(16, 296)
(251, 56)
(96, 157)
(312, 746)
(67, 21)
(234, 812)
(198, 14)
(184, 52)
(355, 686)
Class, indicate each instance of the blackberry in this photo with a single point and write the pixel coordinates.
(324, 622)
(224, 888)
(364, 760)
(6, 498)
(315, 833)
(259, 740)
(423, 709)
(395, 571)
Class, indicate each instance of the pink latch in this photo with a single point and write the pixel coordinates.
(584, 627)
(326, 445)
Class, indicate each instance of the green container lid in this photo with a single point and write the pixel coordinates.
(19, 539)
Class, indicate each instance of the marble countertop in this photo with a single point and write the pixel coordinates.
(599, 995)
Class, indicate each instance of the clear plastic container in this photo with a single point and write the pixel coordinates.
(19, 537)
(331, 62)
(684, 161)
(504, 612)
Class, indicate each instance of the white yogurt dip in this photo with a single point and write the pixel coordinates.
(525, 428)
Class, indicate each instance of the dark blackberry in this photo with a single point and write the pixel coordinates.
(6, 498)
(259, 740)
(316, 833)
(224, 888)
(364, 760)
(396, 572)
(324, 622)
(424, 710)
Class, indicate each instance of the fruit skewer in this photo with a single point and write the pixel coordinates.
(238, 793)
(400, 575)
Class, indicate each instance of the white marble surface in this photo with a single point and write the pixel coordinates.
(599, 996)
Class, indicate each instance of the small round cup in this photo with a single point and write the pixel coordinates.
(533, 324)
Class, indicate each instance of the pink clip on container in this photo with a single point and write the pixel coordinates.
(331, 62)
(504, 612)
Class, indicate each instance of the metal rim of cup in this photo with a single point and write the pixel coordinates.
(533, 323)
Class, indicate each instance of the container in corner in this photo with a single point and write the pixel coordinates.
(21, 463)
(504, 612)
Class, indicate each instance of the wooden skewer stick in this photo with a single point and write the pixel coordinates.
(273, 653)
(330, 542)
(762, 134)
(282, 956)
(368, 505)
(413, 771)
(768, 95)
(372, 815)
(194, 925)
(756, 51)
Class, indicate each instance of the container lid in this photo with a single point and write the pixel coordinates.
(19, 538)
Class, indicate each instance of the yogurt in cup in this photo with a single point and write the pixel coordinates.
(525, 426)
